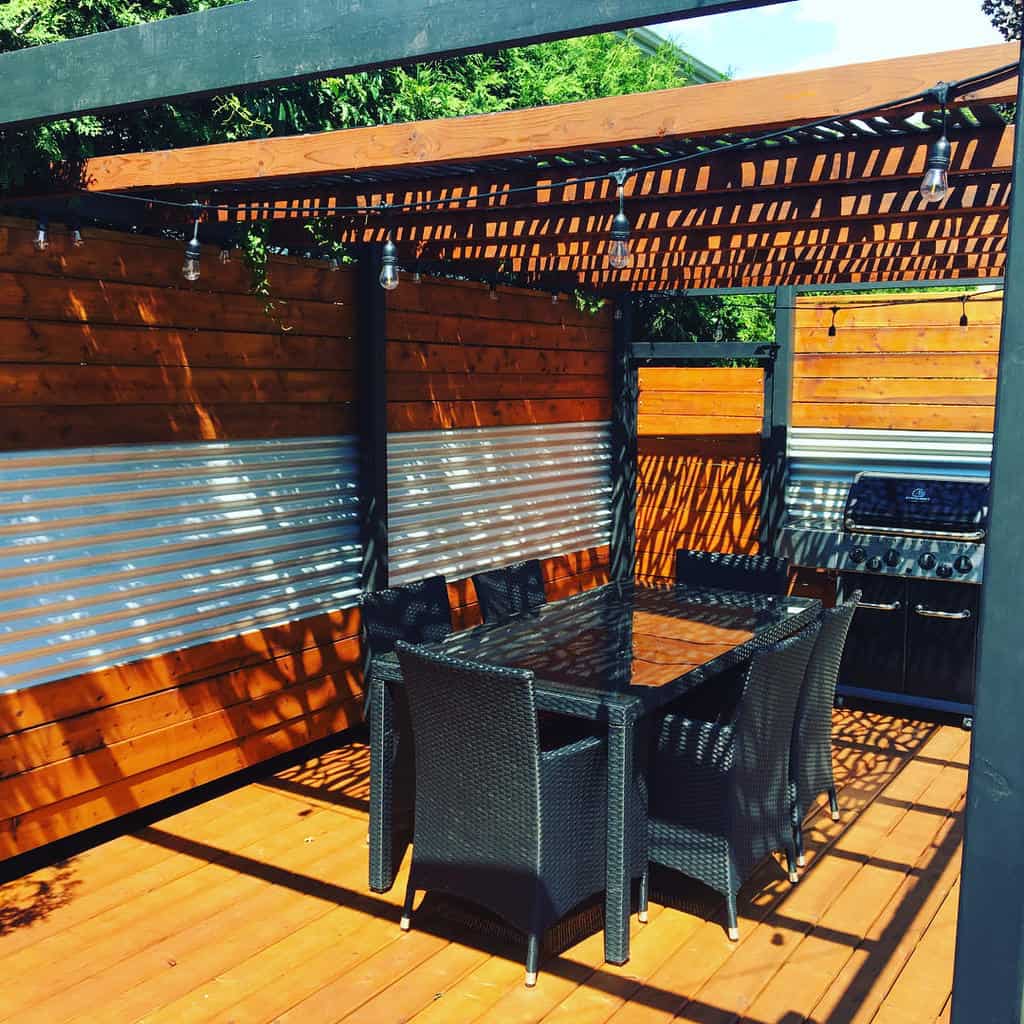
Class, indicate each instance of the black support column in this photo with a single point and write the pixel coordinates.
(988, 986)
(625, 409)
(778, 393)
(371, 401)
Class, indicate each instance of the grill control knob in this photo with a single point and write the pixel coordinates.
(963, 564)
(875, 563)
(892, 558)
(857, 555)
(944, 571)
(927, 561)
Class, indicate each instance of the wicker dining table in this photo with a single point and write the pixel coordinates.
(611, 655)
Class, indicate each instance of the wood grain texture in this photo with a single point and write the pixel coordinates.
(897, 362)
(259, 899)
(459, 358)
(109, 334)
(717, 108)
(698, 463)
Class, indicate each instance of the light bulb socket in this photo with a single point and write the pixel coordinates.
(939, 154)
(389, 265)
(620, 227)
(193, 251)
(964, 322)
(42, 239)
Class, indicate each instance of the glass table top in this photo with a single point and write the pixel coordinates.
(630, 638)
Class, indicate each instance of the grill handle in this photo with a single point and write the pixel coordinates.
(871, 607)
(894, 531)
(931, 613)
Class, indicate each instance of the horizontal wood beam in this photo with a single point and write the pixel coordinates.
(716, 108)
(848, 162)
(262, 42)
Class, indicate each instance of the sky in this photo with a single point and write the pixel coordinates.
(805, 34)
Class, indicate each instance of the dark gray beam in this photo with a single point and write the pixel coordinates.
(778, 391)
(262, 42)
(988, 986)
(683, 353)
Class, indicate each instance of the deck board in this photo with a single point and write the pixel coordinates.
(253, 907)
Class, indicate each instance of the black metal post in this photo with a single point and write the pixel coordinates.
(778, 393)
(988, 986)
(371, 375)
(625, 409)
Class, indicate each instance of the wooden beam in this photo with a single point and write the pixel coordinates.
(262, 42)
(846, 163)
(717, 108)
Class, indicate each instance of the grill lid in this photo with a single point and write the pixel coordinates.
(941, 504)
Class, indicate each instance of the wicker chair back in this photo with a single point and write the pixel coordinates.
(511, 589)
(477, 822)
(811, 767)
(416, 613)
(763, 730)
(764, 574)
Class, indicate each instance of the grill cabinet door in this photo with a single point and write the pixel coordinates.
(941, 649)
(875, 648)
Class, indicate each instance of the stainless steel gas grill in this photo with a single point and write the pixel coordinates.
(915, 546)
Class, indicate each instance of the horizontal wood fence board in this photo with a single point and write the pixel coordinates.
(37, 341)
(684, 403)
(419, 357)
(885, 391)
(894, 417)
(698, 379)
(658, 424)
(938, 338)
(913, 366)
(144, 260)
(456, 327)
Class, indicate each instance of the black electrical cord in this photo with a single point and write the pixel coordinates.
(953, 88)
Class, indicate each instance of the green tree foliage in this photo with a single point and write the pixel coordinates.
(1006, 15)
(703, 318)
(556, 72)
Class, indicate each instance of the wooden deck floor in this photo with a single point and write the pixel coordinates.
(253, 908)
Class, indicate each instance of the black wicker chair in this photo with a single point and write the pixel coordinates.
(501, 821)
(417, 613)
(720, 791)
(506, 591)
(810, 770)
(764, 574)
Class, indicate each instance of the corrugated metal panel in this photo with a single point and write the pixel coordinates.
(117, 553)
(463, 500)
(822, 464)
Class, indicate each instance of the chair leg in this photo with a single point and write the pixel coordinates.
(794, 875)
(731, 918)
(798, 845)
(410, 895)
(645, 883)
(532, 958)
(833, 803)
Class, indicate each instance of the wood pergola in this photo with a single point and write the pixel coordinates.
(828, 206)
(501, 195)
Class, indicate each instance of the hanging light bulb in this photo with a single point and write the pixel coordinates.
(193, 251)
(225, 254)
(492, 293)
(719, 330)
(619, 256)
(389, 266)
(554, 298)
(334, 264)
(417, 277)
(832, 327)
(935, 183)
(42, 239)
(964, 322)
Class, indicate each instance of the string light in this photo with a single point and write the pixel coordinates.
(334, 264)
(554, 298)
(832, 326)
(963, 316)
(492, 293)
(389, 265)
(193, 251)
(719, 330)
(225, 254)
(935, 183)
(619, 256)
(42, 239)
